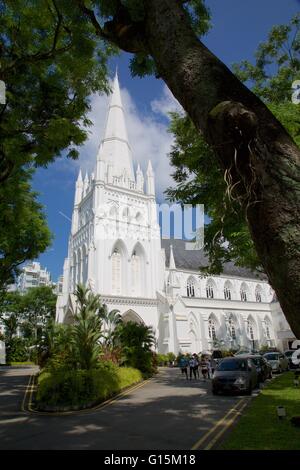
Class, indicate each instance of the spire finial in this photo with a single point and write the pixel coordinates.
(79, 178)
(149, 168)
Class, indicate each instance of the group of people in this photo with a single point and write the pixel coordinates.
(192, 365)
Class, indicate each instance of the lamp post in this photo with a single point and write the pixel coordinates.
(281, 412)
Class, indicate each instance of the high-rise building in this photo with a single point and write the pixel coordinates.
(33, 275)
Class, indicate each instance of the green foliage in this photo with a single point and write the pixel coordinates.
(17, 350)
(199, 16)
(288, 114)
(51, 63)
(277, 64)
(259, 427)
(83, 387)
(198, 175)
(200, 180)
(87, 328)
(30, 313)
(11, 324)
(162, 359)
(111, 319)
(24, 232)
(37, 308)
(57, 349)
(136, 341)
(171, 356)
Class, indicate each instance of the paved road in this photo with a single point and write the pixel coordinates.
(166, 413)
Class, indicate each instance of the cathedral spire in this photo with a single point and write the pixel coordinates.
(114, 149)
(79, 178)
(150, 184)
(172, 264)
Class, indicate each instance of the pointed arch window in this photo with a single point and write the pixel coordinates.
(243, 296)
(250, 330)
(136, 273)
(258, 294)
(244, 292)
(210, 290)
(268, 329)
(212, 329)
(232, 330)
(116, 272)
(227, 292)
(190, 287)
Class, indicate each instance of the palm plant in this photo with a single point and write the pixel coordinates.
(111, 320)
(87, 327)
(136, 341)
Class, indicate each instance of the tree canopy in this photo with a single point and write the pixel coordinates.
(51, 62)
(24, 232)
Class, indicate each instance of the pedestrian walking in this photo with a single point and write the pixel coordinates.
(196, 365)
(204, 367)
(193, 366)
(212, 366)
(183, 364)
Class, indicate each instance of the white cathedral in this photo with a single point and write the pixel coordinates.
(115, 248)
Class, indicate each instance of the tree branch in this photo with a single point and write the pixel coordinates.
(128, 35)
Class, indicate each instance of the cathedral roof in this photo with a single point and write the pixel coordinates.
(194, 259)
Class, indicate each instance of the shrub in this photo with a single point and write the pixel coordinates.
(128, 376)
(162, 359)
(16, 350)
(72, 388)
(171, 357)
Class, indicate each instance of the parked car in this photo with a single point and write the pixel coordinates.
(278, 361)
(235, 374)
(288, 354)
(263, 367)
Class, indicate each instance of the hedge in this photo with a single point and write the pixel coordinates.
(80, 388)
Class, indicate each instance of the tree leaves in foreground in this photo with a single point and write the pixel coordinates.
(24, 233)
(197, 171)
(51, 62)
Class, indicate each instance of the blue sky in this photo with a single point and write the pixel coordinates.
(237, 28)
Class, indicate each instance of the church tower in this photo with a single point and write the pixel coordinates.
(115, 245)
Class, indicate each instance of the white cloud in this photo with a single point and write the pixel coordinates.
(149, 137)
(166, 103)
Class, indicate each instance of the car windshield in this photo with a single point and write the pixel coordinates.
(232, 365)
(289, 353)
(271, 357)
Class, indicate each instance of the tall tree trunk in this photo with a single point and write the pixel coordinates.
(259, 158)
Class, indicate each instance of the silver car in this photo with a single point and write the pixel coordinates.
(278, 361)
(235, 374)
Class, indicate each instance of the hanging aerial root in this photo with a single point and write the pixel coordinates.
(233, 130)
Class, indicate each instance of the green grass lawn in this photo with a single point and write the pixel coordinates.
(260, 428)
